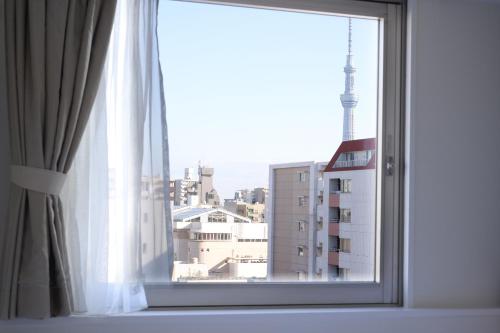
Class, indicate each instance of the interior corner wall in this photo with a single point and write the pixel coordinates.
(4, 133)
(453, 202)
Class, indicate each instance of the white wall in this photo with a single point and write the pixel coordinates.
(454, 124)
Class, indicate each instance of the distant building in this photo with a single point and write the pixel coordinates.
(228, 244)
(190, 191)
(244, 195)
(257, 195)
(208, 195)
(254, 211)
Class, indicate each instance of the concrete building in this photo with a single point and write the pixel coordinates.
(207, 193)
(254, 211)
(346, 238)
(228, 244)
(260, 195)
(292, 217)
(257, 195)
(322, 216)
(192, 191)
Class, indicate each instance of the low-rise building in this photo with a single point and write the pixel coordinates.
(228, 244)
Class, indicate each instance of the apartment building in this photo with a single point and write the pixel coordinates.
(346, 240)
(193, 191)
(292, 217)
(257, 195)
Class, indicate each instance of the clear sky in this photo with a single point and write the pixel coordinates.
(245, 88)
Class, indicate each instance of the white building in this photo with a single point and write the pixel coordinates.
(347, 236)
(228, 244)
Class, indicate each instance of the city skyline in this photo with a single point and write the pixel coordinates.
(245, 79)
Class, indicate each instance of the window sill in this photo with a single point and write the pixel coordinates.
(371, 320)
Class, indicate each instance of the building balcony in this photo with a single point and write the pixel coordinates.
(333, 257)
(334, 200)
(351, 163)
(333, 229)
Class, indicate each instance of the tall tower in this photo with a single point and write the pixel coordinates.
(348, 98)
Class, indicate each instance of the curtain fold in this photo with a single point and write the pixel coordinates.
(55, 52)
(120, 167)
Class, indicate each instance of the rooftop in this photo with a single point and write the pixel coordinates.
(353, 146)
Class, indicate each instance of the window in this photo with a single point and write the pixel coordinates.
(301, 226)
(302, 201)
(218, 217)
(303, 176)
(334, 185)
(319, 224)
(345, 215)
(319, 249)
(345, 245)
(345, 186)
(224, 76)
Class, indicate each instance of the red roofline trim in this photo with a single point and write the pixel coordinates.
(352, 146)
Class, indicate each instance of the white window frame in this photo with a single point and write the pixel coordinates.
(387, 285)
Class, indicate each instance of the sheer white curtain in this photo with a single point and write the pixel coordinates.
(119, 172)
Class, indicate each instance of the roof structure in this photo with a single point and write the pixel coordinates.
(193, 212)
(354, 146)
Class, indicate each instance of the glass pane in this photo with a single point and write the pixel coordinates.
(252, 97)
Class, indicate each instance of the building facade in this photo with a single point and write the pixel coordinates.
(229, 245)
(191, 191)
(292, 217)
(348, 211)
(322, 216)
(254, 211)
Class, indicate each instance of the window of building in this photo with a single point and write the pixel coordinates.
(302, 201)
(345, 245)
(301, 226)
(345, 215)
(345, 186)
(343, 273)
(319, 249)
(218, 217)
(301, 275)
(334, 185)
(303, 176)
(319, 224)
(217, 67)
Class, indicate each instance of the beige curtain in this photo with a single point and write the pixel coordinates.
(55, 51)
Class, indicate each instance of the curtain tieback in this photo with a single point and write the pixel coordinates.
(39, 180)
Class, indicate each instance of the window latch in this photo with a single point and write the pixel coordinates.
(389, 166)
